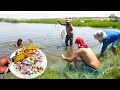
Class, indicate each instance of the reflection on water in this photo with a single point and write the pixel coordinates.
(69, 51)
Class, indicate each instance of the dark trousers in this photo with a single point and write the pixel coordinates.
(69, 37)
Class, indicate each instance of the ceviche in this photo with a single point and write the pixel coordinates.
(30, 61)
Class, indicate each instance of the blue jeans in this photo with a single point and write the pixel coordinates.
(115, 43)
(69, 37)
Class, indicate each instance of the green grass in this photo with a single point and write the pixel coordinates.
(46, 21)
(113, 73)
(9, 20)
(78, 22)
(50, 74)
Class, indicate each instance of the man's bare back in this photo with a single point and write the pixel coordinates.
(89, 57)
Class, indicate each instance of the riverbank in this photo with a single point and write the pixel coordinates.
(76, 22)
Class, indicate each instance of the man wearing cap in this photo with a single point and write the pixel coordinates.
(69, 31)
(88, 62)
(107, 37)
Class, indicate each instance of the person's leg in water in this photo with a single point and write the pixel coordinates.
(71, 40)
(66, 40)
(114, 51)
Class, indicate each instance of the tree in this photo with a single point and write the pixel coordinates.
(113, 18)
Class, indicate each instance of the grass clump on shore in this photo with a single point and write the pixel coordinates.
(9, 20)
(95, 23)
(46, 21)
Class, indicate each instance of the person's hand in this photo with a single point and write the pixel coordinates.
(4, 61)
(62, 56)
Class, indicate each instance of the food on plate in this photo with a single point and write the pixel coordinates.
(25, 52)
(19, 58)
(29, 60)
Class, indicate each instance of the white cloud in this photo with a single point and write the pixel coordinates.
(55, 14)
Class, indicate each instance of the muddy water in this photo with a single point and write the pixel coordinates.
(47, 36)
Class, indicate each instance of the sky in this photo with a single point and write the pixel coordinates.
(55, 14)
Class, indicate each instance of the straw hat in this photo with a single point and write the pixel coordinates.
(100, 35)
(67, 20)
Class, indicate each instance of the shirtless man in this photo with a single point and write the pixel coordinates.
(69, 31)
(20, 43)
(88, 61)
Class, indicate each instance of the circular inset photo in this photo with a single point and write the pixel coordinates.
(28, 64)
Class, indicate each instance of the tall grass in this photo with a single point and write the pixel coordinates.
(78, 22)
(46, 21)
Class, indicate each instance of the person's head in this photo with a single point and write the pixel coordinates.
(68, 22)
(100, 36)
(80, 43)
(19, 42)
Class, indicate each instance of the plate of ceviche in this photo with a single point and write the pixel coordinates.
(30, 62)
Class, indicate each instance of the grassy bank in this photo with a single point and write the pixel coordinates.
(76, 22)
(110, 66)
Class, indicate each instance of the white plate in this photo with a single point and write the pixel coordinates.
(44, 64)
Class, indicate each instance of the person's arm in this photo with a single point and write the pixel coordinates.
(74, 56)
(104, 47)
(61, 23)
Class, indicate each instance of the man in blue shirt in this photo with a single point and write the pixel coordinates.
(108, 37)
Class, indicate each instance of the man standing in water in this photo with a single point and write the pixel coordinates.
(69, 31)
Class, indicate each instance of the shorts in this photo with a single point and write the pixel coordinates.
(87, 68)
